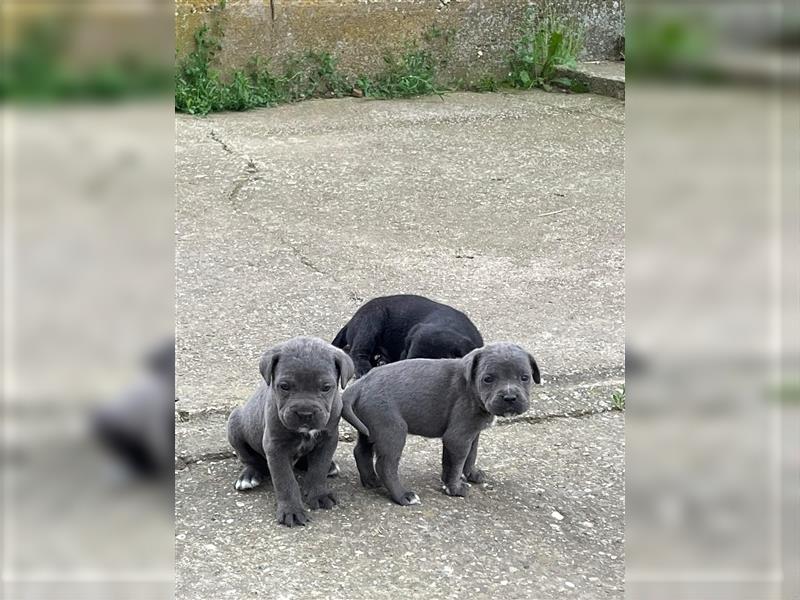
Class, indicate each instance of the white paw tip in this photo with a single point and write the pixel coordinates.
(414, 499)
(247, 484)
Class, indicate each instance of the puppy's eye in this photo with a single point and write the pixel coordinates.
(524, 377)
(326, 387)
(488, 379)
(284, 386)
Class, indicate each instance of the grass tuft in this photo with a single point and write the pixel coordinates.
(618, 399)
(199, 88)
(412, 74)
(547, 40)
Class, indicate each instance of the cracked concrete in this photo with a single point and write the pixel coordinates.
(509, 206)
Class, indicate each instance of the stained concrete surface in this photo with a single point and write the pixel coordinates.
(509, 206)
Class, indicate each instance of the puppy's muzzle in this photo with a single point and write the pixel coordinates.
(304, 417)
(508, 403)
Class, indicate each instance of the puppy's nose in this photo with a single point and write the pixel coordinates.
(305, 415)
(509, 398)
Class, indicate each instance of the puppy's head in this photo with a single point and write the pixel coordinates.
(501, 374)
(432, 342)
(304, 375)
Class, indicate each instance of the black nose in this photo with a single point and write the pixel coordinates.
(305, 415)
(509, 397)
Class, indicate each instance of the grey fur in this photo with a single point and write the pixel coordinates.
(293, 415)
(451, 399)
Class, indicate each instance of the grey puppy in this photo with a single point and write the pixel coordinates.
(451, 399)
(293, 417)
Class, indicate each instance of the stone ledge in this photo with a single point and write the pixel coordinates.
(605, 78)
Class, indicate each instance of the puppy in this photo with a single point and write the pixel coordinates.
(405, 326)
(293, 416)
(451, 399)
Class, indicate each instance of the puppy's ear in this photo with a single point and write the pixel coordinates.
(534, 369)
(268, 361)
(344, 366)
(471, 365)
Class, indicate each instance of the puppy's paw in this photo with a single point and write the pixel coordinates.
(476, 476)
(324, 499)
(333, 470)
(459, 489)
(291, 515)
(408, 499)
(248, 480)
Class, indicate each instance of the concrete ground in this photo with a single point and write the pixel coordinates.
(508, 206)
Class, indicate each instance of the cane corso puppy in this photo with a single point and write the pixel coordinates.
(451, 399)
(393, 328)
(292, 418)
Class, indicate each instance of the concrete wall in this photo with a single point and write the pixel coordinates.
(360, 32)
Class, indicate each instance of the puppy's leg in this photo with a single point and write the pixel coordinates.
(316, 491)
(389, 447)
(365, 461)
(290, 505)
(301, 464)
(471, 472)
(255, 466)
(454, 455)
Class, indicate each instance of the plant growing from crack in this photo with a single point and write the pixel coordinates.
(547, 40)
(618, 399)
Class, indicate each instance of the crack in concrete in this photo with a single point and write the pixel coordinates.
(215, 136)
(250, 168)
(312, 266)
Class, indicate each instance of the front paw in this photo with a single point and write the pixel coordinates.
(291, 515)
(459, 489)
(324, 499)
(475, 476)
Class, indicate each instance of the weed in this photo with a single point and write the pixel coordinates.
(315, 75)
(547, 40)
(486, 83)
(412, 74)
(199, 89)
(618, 399)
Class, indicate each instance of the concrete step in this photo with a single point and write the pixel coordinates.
(605, 78)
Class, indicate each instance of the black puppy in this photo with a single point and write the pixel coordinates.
(406, 326)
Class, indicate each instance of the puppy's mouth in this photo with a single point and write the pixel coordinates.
(298, 424)
(501, 408)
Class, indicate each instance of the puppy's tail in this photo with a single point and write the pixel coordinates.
(349, 415)
(340, 341)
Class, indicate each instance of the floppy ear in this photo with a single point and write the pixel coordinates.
(471, 365)
(268, 361)
(534, 369)
(344, 366)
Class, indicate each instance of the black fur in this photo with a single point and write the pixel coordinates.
(392, 328)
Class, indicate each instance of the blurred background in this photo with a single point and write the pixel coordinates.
(88, 299)
(712, 300)
(713, 234)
